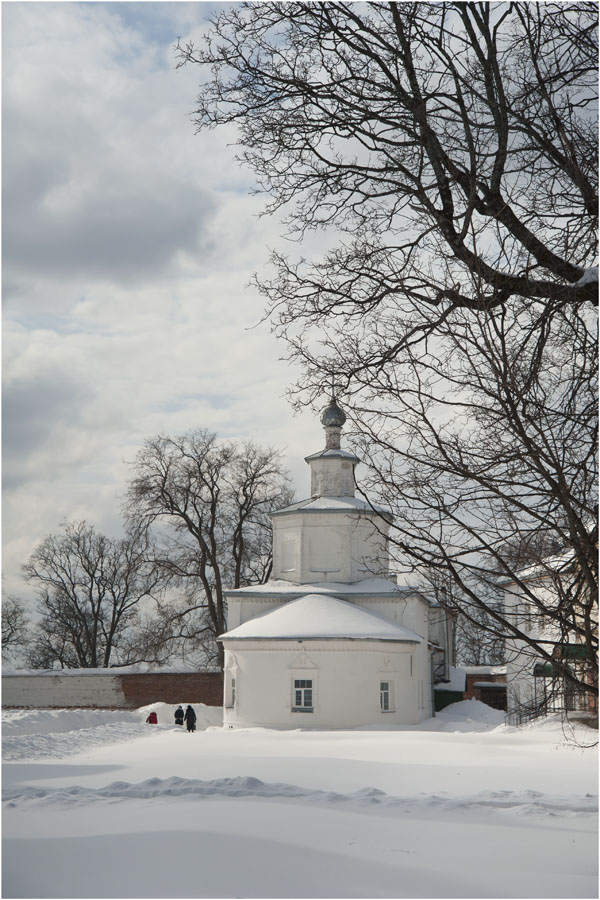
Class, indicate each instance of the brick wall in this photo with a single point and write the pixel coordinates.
(471, 692)
(189, 687)
(107, 690)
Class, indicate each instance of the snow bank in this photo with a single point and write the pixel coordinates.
(523, 802)
(422, 812)
(471, 712)
(55, 733)
(56, 721)
(466, 716)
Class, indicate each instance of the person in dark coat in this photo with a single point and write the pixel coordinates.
(190, 718)
(179, 715)
(152, 719)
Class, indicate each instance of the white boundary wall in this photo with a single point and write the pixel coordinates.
(68, 690)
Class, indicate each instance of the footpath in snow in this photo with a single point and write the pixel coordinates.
(98, 804)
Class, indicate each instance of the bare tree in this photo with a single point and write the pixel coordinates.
(478, 639)
(89, 589)
(453, 146)
(485, 444)
(209, 502)
(478, 643)
(15, 624)
(454, 143)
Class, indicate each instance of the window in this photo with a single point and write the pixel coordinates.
(302, 700)
(386, 696)
(229, 689)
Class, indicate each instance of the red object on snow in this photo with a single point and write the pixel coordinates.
(152, 719)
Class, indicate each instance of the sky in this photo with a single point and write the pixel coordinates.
(129, 243)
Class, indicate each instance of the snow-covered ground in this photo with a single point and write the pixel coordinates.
(99, 804)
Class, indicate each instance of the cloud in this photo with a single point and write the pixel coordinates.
(32, 409)
(129, 243)
(95, 184)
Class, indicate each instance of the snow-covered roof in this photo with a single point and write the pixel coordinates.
(551, 565)
(457, 680)
(135, 669)
(315, 616)
(484, 670)
(333, 504)
(370, 587)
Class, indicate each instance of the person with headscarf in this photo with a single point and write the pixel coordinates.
(190, 718)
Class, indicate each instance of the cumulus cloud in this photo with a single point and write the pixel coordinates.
(129, 243)
(93, 186)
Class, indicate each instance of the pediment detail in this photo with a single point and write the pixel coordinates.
(303, 661)
(388, 665)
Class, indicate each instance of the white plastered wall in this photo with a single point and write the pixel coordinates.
(73, 690)
(331, 477)
(240, 610)
(340, 547)
(346, 677)
(520, 656)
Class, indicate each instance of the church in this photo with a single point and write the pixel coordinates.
(331, 641)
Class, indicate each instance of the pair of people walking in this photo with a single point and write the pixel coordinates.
(189, 717)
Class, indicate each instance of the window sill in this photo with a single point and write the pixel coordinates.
(305, 709)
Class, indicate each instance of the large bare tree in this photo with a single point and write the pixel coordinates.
(89, 589)
(453, 143)
(485, 444)
(450, 151)
(15, 623)
(209, 502)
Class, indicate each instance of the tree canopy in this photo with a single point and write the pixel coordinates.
(89, 589)
(208, 501)
(454, 144)
(448, 152)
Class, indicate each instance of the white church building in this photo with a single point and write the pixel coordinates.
(331, 641)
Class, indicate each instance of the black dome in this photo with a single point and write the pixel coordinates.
(333, 415)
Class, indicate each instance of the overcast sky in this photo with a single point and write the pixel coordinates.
(129, 243)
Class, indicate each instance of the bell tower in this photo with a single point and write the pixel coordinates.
(332, 469)
(334, 536)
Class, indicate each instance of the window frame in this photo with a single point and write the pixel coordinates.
(388, 692)
(300, 685)
(230, 688)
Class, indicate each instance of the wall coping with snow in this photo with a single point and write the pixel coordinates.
(109, 688)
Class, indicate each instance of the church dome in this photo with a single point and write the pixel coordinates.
(333, 415)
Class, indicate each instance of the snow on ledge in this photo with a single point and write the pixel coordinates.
(137, 669)
(369, 587)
